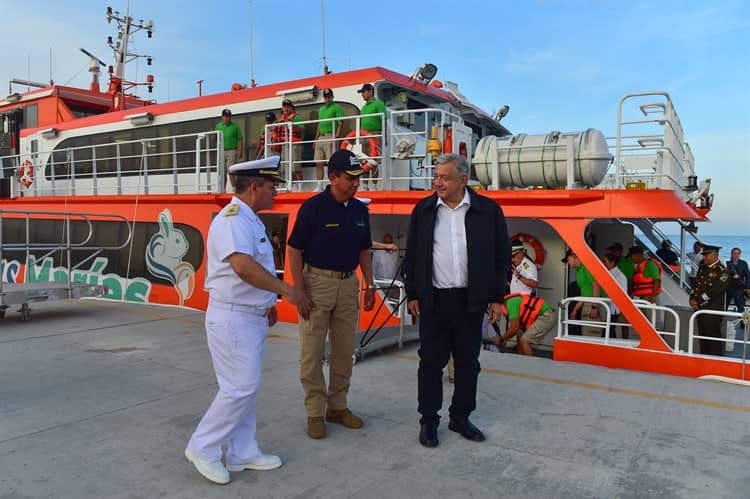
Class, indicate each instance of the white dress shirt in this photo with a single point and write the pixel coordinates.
(450, 258)
(527, 269)
(237, 229)
(384, 264)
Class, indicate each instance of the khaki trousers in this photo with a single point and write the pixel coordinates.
(590, 330)
(336, 315)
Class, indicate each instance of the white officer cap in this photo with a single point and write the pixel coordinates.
(267, 168)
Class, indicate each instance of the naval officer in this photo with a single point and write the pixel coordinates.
(711, 283)
(242, 286)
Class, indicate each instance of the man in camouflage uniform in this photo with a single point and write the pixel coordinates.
(711, 284)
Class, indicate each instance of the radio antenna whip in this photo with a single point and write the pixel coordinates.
(323, 23)
(252, 51)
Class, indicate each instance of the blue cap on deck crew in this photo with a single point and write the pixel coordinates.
(266, 167)
(345, 161)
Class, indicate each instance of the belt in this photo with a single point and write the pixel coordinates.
(238, 307)
(333, 274)
(449, 291)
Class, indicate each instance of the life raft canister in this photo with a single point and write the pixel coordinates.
(26, 173)
(539, 252)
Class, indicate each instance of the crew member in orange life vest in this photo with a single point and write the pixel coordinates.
(289, 114)
(646, 283)
(530, 319)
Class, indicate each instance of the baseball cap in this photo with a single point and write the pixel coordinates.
(635, 250)
(568, 253)
(270, 116)
(327, 92)
(226, 112)
(366, 86)
(345, 161)
(287, 102)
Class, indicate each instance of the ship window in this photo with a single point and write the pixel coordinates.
(160, 145)
(31, 115)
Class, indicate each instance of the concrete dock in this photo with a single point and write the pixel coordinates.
(98, 400)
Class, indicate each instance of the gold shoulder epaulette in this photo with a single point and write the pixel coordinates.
(232, 210)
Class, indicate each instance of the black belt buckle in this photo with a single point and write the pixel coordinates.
(347, 275)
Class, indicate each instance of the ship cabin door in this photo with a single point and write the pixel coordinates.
(11, 123)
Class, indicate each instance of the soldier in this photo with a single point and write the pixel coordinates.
(710, 285)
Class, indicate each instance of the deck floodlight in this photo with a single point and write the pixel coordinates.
(49, 133)
(13, 97)
(427, 72)
(502, 112)
(140, 118)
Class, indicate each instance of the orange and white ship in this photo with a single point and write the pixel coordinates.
(112, 191)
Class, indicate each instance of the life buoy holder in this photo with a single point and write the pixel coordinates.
(26, 173)
(530, 240)
(372, 141)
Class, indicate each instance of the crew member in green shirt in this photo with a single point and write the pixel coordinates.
(372, 125)
(530, 318)
(325, 139)
(232, 141)
(589, 289)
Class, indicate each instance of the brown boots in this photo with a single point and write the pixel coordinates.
(316, 428)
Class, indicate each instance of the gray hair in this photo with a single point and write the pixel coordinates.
(462, 166)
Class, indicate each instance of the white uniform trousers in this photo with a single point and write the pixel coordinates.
(236, 340)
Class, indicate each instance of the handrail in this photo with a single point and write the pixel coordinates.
(563, 319)
(691, 328)
(169, 165)
(67, 244)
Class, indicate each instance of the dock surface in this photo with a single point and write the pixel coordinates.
(98, 400)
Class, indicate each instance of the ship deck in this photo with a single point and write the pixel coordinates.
(98, 399)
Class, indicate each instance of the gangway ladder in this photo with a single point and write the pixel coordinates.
(24, 293)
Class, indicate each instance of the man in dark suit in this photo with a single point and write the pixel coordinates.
(457, 255)
(739, 280)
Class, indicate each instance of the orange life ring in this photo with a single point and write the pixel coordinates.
(529, 240)
(26, 173)
(372, 142)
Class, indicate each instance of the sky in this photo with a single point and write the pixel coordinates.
(559, 65)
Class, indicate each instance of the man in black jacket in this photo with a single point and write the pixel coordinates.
(457, 255)
(739, 280)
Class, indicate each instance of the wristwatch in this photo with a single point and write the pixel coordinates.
(371, 286)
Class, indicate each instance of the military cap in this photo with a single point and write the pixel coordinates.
(515, 246)
(707, 248)
(266, 168)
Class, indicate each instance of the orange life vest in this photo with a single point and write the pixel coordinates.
(529, 309)
(296, 131)
(642, 285)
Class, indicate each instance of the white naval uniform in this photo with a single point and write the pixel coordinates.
(236, 330)
(528, 270)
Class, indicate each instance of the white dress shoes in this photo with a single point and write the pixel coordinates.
(263, 462)
(211, 470)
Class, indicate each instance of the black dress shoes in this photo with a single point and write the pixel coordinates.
(428, 435)
(466, 429)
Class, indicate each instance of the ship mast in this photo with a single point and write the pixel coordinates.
(126, 27)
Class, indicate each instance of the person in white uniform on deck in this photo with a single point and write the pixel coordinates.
(242, 286)
(525, 276)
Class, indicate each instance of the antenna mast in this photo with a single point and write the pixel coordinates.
(118, 85)
(252, 51)
(323, 22)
